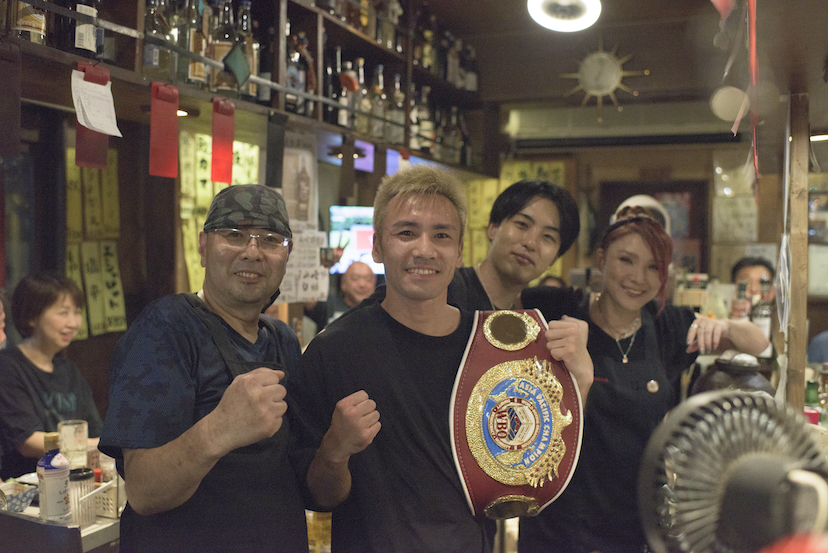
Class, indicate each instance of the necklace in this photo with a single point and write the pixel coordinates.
(624, 354)
(632, 332)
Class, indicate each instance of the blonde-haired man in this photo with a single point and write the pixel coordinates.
(393, 484)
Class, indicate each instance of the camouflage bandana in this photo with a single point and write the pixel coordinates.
(248, 205)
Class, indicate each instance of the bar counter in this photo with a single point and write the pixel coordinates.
(26, 532)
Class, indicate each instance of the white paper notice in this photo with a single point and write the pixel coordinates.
(94, 105)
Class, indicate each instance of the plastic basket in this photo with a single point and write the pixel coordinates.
(110, 503)
(18, 495)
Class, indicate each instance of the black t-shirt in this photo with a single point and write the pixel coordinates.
(406, 494)
(599, 508)
(33, 400)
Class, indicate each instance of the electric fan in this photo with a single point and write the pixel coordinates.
(731, 472)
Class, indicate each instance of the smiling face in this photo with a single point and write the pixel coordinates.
(243, 277)
(57, 326)
(420, 246)
(527, 243)
(631, 276)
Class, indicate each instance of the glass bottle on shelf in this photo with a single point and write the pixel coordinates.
(27, 22)
(267, 58)
(427, 59)
(173, 15)
(454, 137)
(327, 5)
(244, 34)
(379, 103)
(310, 73)
(353, 16)
(442, 43)
(466, 154)
(421, 25)
(349, 81)
(438, 152)
(341, 10)
(413, 120)
(380, 7)
(368, 18)
(430, 49)
(470, 69)
(330, 84)
(453, 74)
(209, 15)
(75, 36)
(396, 114)
(224, 38)
(296, 76)
(159, 62)
(426, 122)
(392, 37)
(193, 40)
(362, 100)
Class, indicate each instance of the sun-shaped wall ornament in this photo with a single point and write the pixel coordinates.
(599, 74)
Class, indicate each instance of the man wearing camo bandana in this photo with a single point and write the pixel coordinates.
(197, 397)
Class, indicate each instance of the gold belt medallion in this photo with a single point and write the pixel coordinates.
(514, 419)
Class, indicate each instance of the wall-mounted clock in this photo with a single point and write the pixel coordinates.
(600, 74)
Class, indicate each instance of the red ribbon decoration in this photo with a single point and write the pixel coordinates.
(754, 106)
(91, 146)
(223, 132)
(724, 7)
(163, 154)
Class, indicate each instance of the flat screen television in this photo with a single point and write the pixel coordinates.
(353, 228)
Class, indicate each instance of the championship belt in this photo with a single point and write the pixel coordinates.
(516, 418)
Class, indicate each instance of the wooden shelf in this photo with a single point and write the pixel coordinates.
(46, 73)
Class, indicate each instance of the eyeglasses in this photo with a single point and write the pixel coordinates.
(266, 241)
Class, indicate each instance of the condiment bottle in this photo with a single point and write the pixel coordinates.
(53, 481)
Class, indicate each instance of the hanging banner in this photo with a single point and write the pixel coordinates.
(245, 163)
(110, 199)
(92, 208)
(114, 308)
(73, 271)
(93, 286)
(514, 171)
(163, 151)
(74, 201)
(300, 182)
(224, 113)
(305, 279)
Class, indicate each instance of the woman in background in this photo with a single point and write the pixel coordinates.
(639, 348)
(38, 387)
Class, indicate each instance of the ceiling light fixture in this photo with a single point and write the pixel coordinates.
(566, 16)
(819, 138)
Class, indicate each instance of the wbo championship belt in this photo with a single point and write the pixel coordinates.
(516, 417)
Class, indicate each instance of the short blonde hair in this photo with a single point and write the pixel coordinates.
(420, 179)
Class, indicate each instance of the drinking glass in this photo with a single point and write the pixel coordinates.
(74, 435)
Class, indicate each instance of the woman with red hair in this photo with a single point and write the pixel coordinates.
(639, 348)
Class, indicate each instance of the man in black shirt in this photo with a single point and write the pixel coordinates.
(394, 485)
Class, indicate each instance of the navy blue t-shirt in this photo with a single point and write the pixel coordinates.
(166, 374)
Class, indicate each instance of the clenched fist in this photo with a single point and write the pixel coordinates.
(250, 410)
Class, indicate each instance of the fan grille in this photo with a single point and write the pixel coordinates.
(685, 466)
